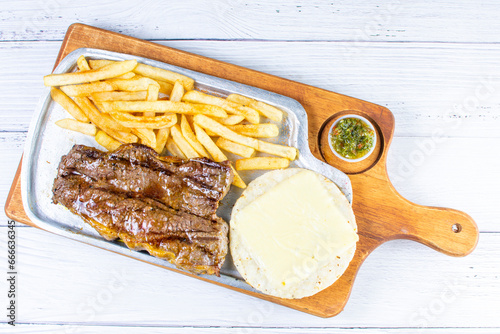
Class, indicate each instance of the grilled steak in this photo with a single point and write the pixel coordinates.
(160, 204)
(195, 186)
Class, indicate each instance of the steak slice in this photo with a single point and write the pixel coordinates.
(165, 206)
(195, 186)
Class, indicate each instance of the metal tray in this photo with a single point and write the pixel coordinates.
(47, 143)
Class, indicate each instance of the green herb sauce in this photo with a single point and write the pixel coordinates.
(352, 138)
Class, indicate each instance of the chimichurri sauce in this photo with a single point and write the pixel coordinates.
(352, 138)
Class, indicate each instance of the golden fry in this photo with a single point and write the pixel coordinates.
(164, 75)
(238, 149)
(279, 150)
(82, 63)
(132, 85)
(231, 120)
(98, 63)
(222, 131)
(144, 122)
(209, 144)
(161, 139)
(106, 141)
(165, 87)
(265, 109)
(177, 92)
(164, 106)
(147, 136)
(103, 121)
(216, 153)
(262, 163)
(174, 149)
(68, 104)
(152, 95)
(87, 89)
(250, 114)
(106, 72)
(188, 134)
(119, 96)
(74, 125)
(233, 108)
(237, 181)
(121, 136)
(182, 143)
(266, 130)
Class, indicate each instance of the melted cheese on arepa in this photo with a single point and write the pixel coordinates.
(293, 229)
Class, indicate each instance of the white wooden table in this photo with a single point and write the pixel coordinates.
(435, 65)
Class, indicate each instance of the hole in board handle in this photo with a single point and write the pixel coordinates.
(456, 228)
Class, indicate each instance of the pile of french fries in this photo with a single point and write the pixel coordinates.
(121, 102)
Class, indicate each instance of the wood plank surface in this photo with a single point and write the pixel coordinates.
(429, 87)
(149, 330)
(380, 216)
(62, 281)
(462, 21)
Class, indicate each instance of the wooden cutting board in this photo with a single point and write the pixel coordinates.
(381, 213)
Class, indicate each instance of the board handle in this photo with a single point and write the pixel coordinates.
(387, 215)
(449, 231)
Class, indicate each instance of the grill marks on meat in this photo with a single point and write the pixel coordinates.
(195, 186)
(165, 206)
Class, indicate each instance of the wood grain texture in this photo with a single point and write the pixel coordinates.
(440, 156)
(462, 21)
(430, 88)
(402, 284)
(440, 177)
(132, 330)
(381, 215)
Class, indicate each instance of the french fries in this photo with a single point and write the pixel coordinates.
(267, 130)
(174, 149)
(233, 108)
(265, 109)
(238, 181)
(68, 104)
(164, 75)
(132, 85)
(121, 102)
(222, 131)
(262, 163)
(103, 121)
(104, 140)
(84, 90)
(152, 95)
(148, 137)
(280, 150)
(209, 144)
(163, 107)
(231, 120)
(82, 64)
(122, 137)
(74, 125)
(190, 137)
(106, 72)
(182, 143)
(161, 139)
(144, 122)
(241, 150)
(177, 92)
(119, 96)
(217, 154)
